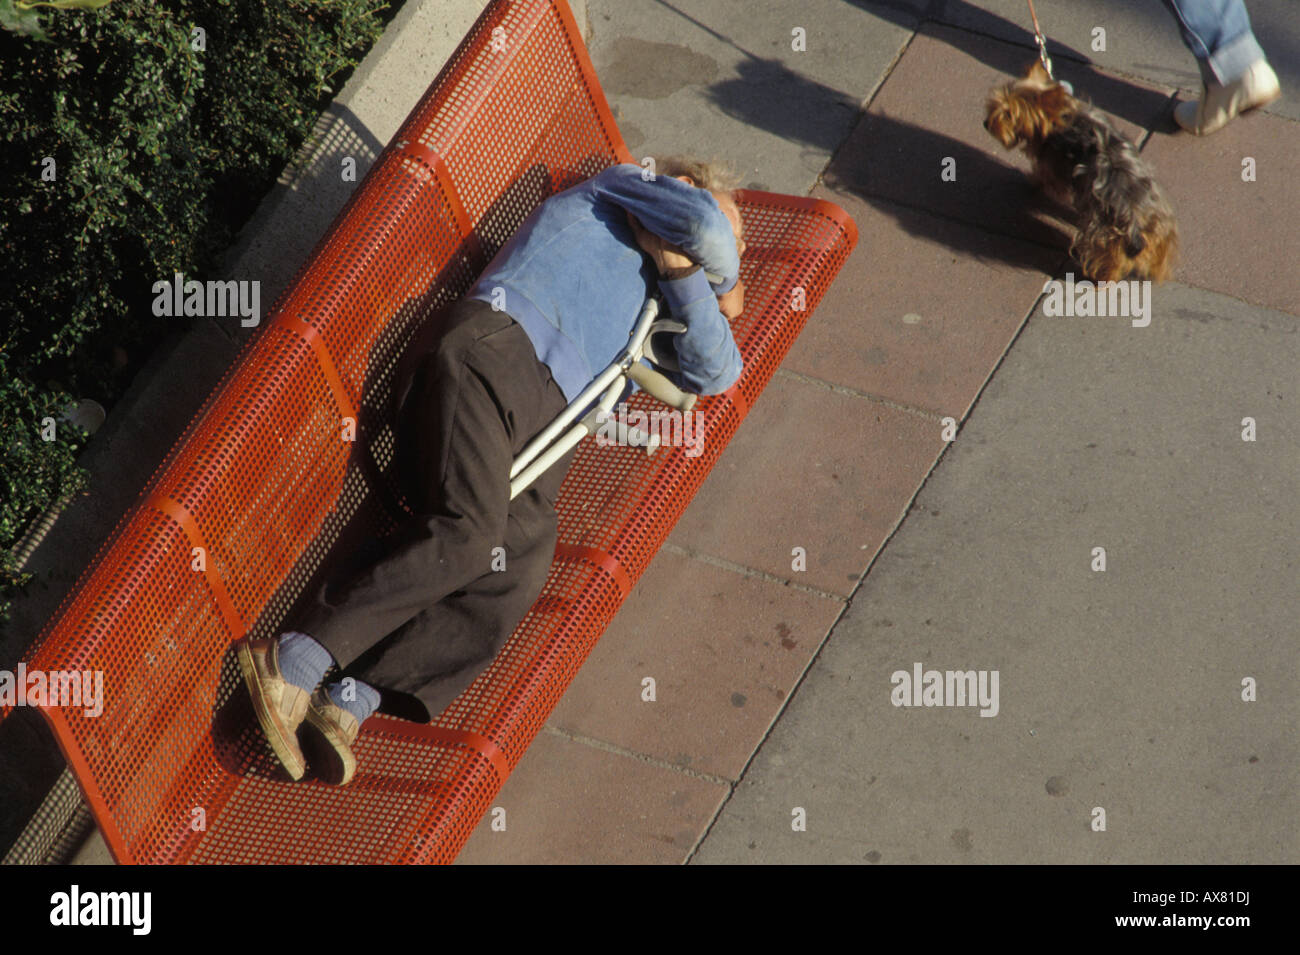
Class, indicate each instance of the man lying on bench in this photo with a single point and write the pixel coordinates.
(554, 308)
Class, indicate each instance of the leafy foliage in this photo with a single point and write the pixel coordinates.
(130, 150)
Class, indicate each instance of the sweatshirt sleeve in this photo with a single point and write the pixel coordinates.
(707, 356)
(687, 217)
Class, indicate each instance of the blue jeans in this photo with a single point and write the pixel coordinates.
(1218, 34)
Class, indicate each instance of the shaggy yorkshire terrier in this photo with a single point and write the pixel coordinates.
(1127, 227)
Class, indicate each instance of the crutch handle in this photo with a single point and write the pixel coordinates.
(660, 387)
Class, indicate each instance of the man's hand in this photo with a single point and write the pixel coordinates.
(666, 256)
(732, 303)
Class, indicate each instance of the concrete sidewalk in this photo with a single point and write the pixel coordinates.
(1118, 689)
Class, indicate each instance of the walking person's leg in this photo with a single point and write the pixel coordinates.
(1235, 74)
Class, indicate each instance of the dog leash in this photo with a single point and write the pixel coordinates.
(1042, 43)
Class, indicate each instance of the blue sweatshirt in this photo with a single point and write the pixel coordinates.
(574, 277)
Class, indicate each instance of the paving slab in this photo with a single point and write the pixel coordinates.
(925, 309)
(1119, 689)
(899, 151)
(568, 802)
(1236, 236)
(811, 468)
(720, 78)
(1141, 39)
(724, 650)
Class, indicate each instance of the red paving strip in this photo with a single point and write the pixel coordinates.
(573, 802)
(834, 472)
(924, 310)
(932, 108)
(723, 649)
(1238, 237)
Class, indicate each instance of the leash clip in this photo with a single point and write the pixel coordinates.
(1042, 55)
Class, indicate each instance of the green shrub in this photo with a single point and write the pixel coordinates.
(160, 152)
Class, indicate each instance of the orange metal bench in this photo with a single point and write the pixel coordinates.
(175, 769)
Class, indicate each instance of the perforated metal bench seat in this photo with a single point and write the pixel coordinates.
(262, 484)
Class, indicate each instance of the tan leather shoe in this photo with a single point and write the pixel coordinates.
(328, 735)
(280, 706)
(1218, 104)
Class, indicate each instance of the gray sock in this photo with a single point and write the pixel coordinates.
(303, 661)
(359, 699)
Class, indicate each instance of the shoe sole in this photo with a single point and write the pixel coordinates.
(329, 753)
(271, 728)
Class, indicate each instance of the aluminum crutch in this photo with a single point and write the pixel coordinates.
(562, 434)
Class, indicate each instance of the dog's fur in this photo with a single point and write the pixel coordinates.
(1127, 227)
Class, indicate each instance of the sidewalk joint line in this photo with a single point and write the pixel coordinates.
(985, 229)
(865, 104)
(608, 747)
(771, 727)
(855, 393)
(745, 571)
(708, 29)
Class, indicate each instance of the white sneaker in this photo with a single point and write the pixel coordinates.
(1218, 104)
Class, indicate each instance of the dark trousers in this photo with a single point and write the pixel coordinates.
(430, 615)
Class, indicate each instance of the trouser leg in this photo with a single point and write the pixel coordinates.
(440, 652)
(474, 401)
(1219, 35)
